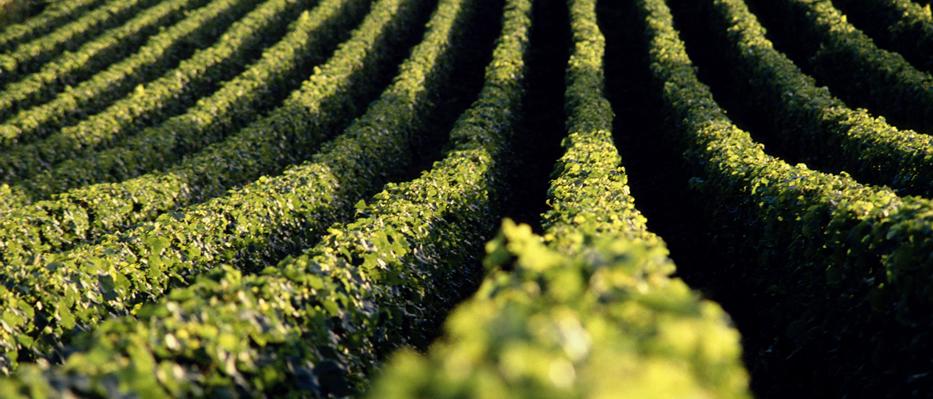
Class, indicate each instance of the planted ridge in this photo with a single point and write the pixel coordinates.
(841, 256)
(272, 216)
(277, 351)
(237, 102)
(583, 303)
(51, 17)
(900, 25)
(88, 213)
(850, 63)
(819, 128)
(72, 67)
(163, 51)
(148, 103)
(29, 56)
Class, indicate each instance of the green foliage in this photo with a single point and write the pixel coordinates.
(605, 321)
(236, 103)
(28, 56)
(317, 321)
(201, 214)
(147, 103)
(901, 25)
(817, 125)
(161, 52)
(87, 213)
(595, 312)
(841, 256)
(850, 63)
(13, 11)
(11, 198)
(53, 16)
(71, 67)
(589, 195)
(264, 220)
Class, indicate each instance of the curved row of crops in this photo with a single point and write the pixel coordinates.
(284, 197)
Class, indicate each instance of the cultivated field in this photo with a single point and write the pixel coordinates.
(467, 199)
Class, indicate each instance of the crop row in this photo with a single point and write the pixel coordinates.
(607, 321)
(850, 63)
(71, 67)
(162, 52)
(292, 312)
(266, 219)
(236, 103)
(153, 101)
(819, 127)
(836, 255)
(121, 76)
(901, 25)
(28, 57)
(590, 309)
(206, 234)
(50, 18)
(588, 195)
(287, 135)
